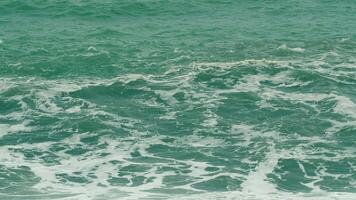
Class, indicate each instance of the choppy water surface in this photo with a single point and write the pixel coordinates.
(150, 99)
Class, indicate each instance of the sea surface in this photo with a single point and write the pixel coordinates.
(178, 99)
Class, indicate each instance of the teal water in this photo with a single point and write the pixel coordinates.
(176, 99)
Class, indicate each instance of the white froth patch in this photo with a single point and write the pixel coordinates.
(44, 102)
(300, 97)
(1, 41)
(339, 125)
(296, 49)
(167, 96)
(6, 128)
(169, 115)
(234, 195)
(211, 119)
(344, 39)
(91, 48)
(131, 77)
(345, 106)
(254, 62)
(256, 182)
(244, 131)
(250, 83)
(75, 109)
(200, 141)
(5, 84)
(210, 122)
(66, 87)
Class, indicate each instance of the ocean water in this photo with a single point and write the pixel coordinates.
(178, 99)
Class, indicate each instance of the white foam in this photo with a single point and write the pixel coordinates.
(199, 141)
(256, 182)
(296, 49)
(339, 125)
(254, 62)
(344, 39)
(170, 115)
(91, 48)
(345, 106)
(75, 109)
(255, 185)
(5, 84)
(6, 128)
(235, 195)
(211, 119)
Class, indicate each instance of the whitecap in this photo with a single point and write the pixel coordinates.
(255, 62)
(296, 49)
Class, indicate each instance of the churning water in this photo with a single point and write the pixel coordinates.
(177, 99)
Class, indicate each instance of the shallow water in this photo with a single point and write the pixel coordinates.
(150, 99)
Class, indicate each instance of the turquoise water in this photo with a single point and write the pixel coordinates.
(175, 99)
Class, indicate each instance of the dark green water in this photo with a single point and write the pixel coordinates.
(175, 99)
